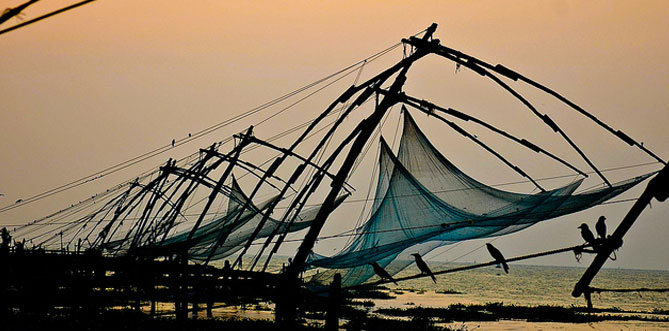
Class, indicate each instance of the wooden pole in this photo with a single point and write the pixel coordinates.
(332, 317)
(286, 312)
(658, 188)
(197, 281)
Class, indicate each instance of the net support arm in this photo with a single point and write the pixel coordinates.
(466, 134)
(233, 160)
(477, 65)
(286, 308)
(370, 124)
(429, 108)
(545, 118)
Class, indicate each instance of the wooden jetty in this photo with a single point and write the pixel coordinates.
(42, 281)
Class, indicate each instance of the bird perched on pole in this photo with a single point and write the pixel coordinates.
(497, 255)
(600, 227)
(422, 266)
(382, 272)
(587, 234)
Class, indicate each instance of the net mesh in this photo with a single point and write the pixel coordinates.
(233, 229)
(423, 202)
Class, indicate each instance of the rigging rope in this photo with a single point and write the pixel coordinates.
(368, 199)
(473, 266)
(348, 233)
(179, 142)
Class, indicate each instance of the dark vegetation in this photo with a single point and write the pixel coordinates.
(352, 318)
(497, 311)
(126, 320)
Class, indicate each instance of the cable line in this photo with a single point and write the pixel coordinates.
(201, 133)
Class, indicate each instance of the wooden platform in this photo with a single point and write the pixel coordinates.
(44, 281)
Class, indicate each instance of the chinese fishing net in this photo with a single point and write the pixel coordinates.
(423, 202)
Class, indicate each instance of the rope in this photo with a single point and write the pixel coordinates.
(473, 266)
(160, 150)
(278, 207)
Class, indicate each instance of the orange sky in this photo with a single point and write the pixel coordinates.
(113, 79)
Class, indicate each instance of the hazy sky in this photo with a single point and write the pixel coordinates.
(114, 79)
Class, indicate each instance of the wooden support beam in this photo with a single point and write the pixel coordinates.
(479, 65)
(286, 305)
(214, 192)
(657, 188)
(332, 317)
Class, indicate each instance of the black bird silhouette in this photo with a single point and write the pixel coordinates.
(422, 266)
(173, 141)
(587, 234)
(600, 227)
(382, 272)
(497, 255)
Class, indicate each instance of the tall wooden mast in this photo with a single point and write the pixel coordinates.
(286, 303)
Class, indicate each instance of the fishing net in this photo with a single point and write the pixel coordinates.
(206, 236)
(234, 228)
(423, 202)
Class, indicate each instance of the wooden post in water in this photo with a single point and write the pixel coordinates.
(153, 299)
(183, 287)
(177, 282)
(197, 290)
(137, 281)
(208, 291)
(332, 317)
(587, 294)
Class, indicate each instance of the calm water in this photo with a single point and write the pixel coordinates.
(524, 285)
(529, 285)
(539, 285)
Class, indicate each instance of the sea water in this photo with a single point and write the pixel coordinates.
(525, 285)
(530, 285)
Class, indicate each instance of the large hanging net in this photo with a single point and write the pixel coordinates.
(233, 229)
(423, 202)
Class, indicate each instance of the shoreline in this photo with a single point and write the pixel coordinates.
(396, 309)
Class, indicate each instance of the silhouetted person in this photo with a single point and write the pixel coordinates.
(6, 239)
(587, 234)
(18, 246)
(497, 255)
(422, 266)
(382, 273)
(600, 227)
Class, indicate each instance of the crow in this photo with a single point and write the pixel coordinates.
(600, 227)
(497, 255)
(382, 273)
(422, 266)
(587, 234)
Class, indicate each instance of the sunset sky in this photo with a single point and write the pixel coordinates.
(111, 80)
